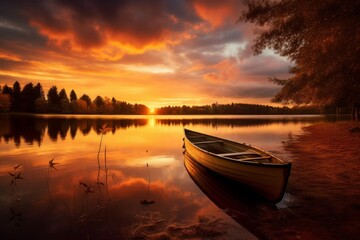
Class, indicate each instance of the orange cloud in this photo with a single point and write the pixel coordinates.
(155, 52)
(217, 12)
(224, 71)
(9, 56)
(108, 31)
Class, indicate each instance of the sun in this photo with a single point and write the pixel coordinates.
(152, 110)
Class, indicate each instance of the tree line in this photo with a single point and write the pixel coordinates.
(31, 99)
(240, 108)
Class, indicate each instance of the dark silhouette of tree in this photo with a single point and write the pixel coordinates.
(39, 91)
(7, 90)
(121, 107)
(237, 108)
(321, 38)
(87, 99)
(64, 101)
(100, 103)
(40, 103)
(114, 104)
(53, 100)
(63, 95)
(33, 100)
(140, 109)
(5, 102)
(16, 98)
(73, 96)
(28, 98)
(73, 102)
(108, 106)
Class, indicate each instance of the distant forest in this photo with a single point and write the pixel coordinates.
(238, 108)
(31, 99)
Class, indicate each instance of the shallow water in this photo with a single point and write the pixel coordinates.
(54, 185)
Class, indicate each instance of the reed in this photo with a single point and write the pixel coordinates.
(103, 130)
(148, 201)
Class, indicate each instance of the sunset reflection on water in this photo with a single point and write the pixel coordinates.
(76, 198)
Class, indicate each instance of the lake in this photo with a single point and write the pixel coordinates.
(61, 177)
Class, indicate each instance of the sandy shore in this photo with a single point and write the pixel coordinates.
(323, 200)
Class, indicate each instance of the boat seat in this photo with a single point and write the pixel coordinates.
(208, 142)
(237, 154)
(255, 158)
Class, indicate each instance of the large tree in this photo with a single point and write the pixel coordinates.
(321, 38)
(7, 90)
(53, 100)
(39, 91)
(87, 99)
(64, 101)
(100, 103)
(73, 96)
(16, 97)
(28, 98)
(63, 95)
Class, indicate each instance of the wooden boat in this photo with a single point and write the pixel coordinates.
(234, 199)
(262, 172)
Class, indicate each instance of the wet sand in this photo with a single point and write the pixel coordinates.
(323, 194)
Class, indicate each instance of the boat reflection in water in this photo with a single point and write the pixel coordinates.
(237, 201)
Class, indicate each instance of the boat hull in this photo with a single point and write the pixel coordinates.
(236, 200)
(268, 180)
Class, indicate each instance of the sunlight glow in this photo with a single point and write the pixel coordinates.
(154, 161)
(148, 69)
(188, 61)
(152, 122)
(232, 49)
(152, 110)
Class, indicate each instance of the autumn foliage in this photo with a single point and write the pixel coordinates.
(321, 38)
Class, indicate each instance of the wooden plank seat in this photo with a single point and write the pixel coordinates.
(208, 142)
(237, 154)
(255, 159)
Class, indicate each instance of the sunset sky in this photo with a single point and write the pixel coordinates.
(159, 52)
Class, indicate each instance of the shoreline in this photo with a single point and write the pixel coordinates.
(323, 192)
(159, 115)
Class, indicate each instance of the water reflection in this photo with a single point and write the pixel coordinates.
(240, 203)
(249, 121)
(78, 208)
(73, 190)
(67, 194)
(32, 128)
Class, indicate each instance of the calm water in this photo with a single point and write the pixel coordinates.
(72, 198)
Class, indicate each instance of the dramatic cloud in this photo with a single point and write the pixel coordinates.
(115, 27)
(153, 52)
(223, 71)
(218, 13)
